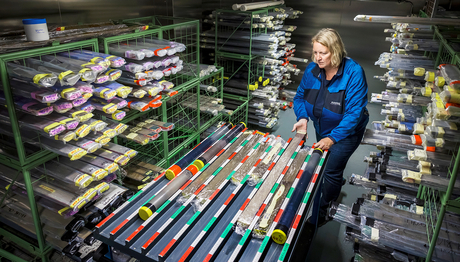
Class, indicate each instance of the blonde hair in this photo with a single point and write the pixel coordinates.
(330, 38)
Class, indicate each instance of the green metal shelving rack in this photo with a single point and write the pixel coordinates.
(437, 203)
(23, 162)
(233, 62)
(186, 134)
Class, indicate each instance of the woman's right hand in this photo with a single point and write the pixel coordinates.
(301, 127)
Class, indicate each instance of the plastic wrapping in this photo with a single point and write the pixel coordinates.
(432, 181)
(86, 74)
(128, 152)
(35, 123)
(30, 91)
(88, 58)
(67, 175)
(66, 77)
(95, 172)
(89, 145)
(114, 60)
(32, 76)
(451, 75)
(100, 162)
(66, 199)
(74, 63)
(28, 105)
(137, 138)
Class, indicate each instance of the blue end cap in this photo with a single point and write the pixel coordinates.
(34, 21)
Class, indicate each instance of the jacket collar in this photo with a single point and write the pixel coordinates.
(316, 71)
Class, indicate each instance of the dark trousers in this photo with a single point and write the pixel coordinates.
(329, 189)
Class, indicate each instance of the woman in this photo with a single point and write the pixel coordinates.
(333, 94)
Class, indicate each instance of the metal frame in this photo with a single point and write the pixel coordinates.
(228, 59)
(24, 163)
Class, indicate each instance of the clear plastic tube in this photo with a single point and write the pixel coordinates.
(132, 82)
(86, 74)
(121, 103)
(28, 105)
(117, 115)
(115, 61)
(35, 123)
(62, 106)
(126, 51)
(104, 92)
(80, 115)
(107, 108)
(31, 75)
(139, 92)
(84, 87)
(120, 89)
(66, 198)
(66, 77)
(69, 123)
(88, 58)
(137, 105)
(402, 19)
(100, 162)
(451, 74)
(74, 63)
(113, 74)
(88, 107)
(96, 172)
(136, 67)
(89, 145)
(63, 173)
(29, 91)
(137, 138)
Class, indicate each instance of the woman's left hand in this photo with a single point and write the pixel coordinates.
(324, 144)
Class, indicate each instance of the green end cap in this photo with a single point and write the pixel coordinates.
(199, 164)
(279, 236)
(145, 213)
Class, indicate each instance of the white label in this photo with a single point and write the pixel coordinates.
(85, 249)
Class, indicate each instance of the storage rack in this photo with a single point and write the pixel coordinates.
(23, 162)
(436, 202)
(163, 151)
(186, 133)
(232, 62)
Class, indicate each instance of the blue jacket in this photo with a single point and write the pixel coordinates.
(344, 106)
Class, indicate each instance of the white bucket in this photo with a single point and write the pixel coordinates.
(36, 29)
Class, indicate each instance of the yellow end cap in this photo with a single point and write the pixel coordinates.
(261, 79)
(170, 174)
(199, 164)
(244, 124)
(145, 213)
(320, 150)
(279, 236)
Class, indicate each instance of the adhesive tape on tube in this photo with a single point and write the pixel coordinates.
(430, 76)
(419, 71)
(39, 77)
(440, 81)
(83, 181)
(64, 74)
(49, 127)
(416, 140)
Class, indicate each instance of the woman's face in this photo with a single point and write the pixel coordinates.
(322, 55)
